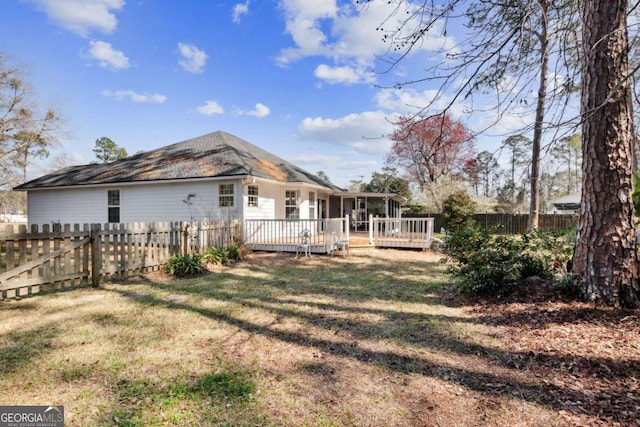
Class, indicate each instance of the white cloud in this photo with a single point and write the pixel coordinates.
(331, 162)
(82, 16)
(259, 111)
(409, 101)
(239, 10)
(192, 59)
(360, 33)
(303, 24)
(404, 100)
(348, 34)
(134, 96)
(351, 35)
(346, 75)
(364, 132)
(210, 108)
(107, 56)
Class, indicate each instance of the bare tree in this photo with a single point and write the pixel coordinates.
(26, 131)
(518, 148)
(488, 166)
(606, 255)
(567, 150)
(513, 50)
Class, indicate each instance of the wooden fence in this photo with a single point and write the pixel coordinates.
(61, 257)
(508, 223)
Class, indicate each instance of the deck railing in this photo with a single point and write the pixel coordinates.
(283, 235)
(401, 232)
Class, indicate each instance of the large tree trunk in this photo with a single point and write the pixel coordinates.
(606, 258)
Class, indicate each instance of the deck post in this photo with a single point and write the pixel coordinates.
(346, 223)
(371, 227)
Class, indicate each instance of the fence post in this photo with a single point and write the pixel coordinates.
(96, 255)
(184, 227)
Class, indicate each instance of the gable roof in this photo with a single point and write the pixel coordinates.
(213, 155)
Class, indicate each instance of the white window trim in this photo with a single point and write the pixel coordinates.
(253, 200)
(119, 206)
(296, 206)
(226, 196)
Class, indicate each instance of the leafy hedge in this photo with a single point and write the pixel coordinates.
(483, 262)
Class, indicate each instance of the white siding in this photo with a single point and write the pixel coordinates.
(270, 195)
(161, 202)
(138, 203)
(73, 206)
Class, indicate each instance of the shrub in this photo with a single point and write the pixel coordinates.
(458, 210)
(463, 244)
(568, 286)
(236, 252)
(532, 265)
(184, 265)
(553, 248)
(486, 263)
(482, 263)
(215, 256)
(232, 253)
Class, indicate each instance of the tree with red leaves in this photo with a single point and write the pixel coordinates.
(430, 148)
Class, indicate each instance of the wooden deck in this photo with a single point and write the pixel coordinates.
(359, 240)
(284, 235)
(411, 233)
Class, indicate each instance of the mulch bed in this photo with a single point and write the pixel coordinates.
(584, 361)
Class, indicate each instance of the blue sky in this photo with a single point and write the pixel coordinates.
(298, 78)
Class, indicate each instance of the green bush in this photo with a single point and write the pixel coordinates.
(532, 265)
(553, 248)
(232, 253)
(487, 263)
(458, 210)
(568, 286)
(184, 265)
(235, 252)
(482, 263)
(463, 244)
(215, 256)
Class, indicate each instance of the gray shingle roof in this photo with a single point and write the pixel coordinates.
(216, 154)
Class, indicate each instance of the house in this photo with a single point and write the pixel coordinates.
(216, 176)
(569, 204)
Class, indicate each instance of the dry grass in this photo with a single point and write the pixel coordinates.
(366, 340)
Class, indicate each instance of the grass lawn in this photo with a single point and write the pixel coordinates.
(374, 339)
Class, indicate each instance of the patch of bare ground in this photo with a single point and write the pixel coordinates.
(375, 339)
(585, 359)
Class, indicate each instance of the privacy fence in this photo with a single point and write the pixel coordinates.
(58, 257)
(508, 223)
